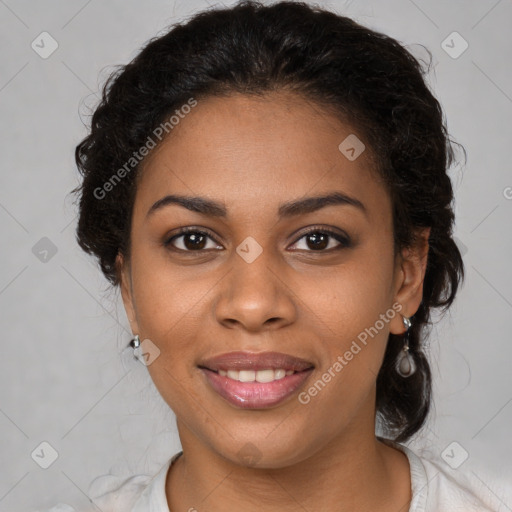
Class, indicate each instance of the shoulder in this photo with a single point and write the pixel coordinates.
(455, 491)
(116, 493)
(110, 493)
(436, 487)
(136, 493)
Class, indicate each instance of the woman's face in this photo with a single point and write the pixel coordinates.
(258, 282)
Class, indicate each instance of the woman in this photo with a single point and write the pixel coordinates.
(268, 187)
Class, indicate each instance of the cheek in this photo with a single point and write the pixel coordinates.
(171, 309)
(351, 298)
(353, 309)
(171, 303)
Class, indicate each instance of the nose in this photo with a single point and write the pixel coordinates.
(255, 296)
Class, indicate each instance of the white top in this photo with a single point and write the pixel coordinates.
(434, 489)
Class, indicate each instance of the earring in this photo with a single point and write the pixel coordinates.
(135, 342)
(405, 365)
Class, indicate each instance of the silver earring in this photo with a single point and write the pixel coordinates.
(135, 342)
(405, 365)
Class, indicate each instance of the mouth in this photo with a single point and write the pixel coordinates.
(255, 380)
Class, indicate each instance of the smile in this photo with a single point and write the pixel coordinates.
(256, 376)
(255, 380)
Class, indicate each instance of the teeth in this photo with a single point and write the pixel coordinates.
(259, 376)
(279, 374)
(247, 376)
(263, 376)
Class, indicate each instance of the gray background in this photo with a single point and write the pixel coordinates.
(64, 376)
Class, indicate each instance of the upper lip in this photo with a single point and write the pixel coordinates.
(256, 361)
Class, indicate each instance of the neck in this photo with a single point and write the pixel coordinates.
(354, 472)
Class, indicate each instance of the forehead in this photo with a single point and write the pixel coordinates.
(246, 149)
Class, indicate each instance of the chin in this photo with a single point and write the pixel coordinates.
(262, 452)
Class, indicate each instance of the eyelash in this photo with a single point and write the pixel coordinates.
(344, 240)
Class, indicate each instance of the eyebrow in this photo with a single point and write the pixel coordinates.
(292, 208)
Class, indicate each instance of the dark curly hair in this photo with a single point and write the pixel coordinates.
(366, 78)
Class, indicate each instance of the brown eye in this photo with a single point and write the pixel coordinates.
(189, 240)
(323, 240)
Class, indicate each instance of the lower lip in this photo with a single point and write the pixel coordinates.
(256, 395)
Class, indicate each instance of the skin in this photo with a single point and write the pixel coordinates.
(253, 154)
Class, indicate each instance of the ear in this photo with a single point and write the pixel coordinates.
(125, 284)
(411, 265)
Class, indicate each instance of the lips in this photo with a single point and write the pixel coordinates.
(255, 361)
(255, 380)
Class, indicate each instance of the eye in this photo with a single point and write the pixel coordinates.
(316, 239)
(190, 240)
(319, 239)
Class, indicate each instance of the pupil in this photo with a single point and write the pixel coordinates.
(320, 240)
(197, 241)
